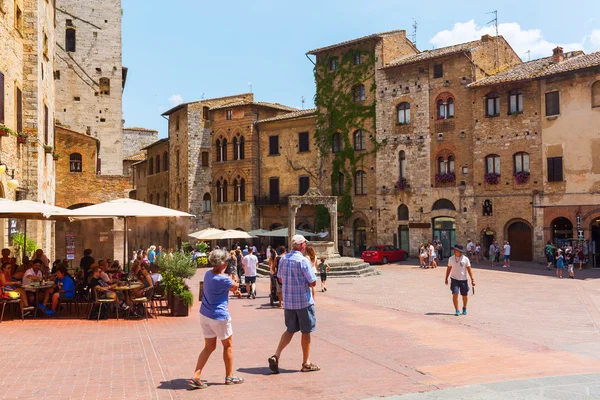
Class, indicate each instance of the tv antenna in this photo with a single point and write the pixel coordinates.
(415, 25)
(250, 86)
(202, 97)
(495, 22)
(528, 55)
(302, 99)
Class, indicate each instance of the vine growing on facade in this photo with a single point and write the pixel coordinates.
(339, 111)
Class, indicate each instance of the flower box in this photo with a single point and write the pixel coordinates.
(55, 156)
(522, 177)
(401, 184)
(492, 178)
(448, 177)
(48, 149)
(21, 139)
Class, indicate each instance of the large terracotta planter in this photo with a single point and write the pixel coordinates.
(178, 309)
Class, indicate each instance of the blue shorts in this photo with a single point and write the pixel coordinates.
(549, 258)
(250, 279)
(457, 286)
(303, 320)
(507, 256)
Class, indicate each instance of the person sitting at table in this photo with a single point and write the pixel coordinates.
(104, 291)
(6, 280)
(156, 276)
(64, 289)
(103, 274)
(33, 274)
(91, 272)
(146, 279)
(39, 254)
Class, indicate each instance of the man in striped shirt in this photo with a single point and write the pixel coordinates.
(297, 277)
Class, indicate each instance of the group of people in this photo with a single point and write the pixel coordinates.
(563, 257)
(431, 254)
(494, 254)
(296, 276)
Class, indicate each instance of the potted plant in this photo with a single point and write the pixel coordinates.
(48, 149)
(21, 137)
(5, 130)
(401, 184)
(55, 156)
(492, 178)
(522, 177)
(175, 270)
(448, 177)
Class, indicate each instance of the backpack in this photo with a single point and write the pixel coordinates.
(9, 294)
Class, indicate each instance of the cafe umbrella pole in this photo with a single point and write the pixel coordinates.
(125, 259)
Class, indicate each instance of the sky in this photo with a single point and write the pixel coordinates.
(194, 49)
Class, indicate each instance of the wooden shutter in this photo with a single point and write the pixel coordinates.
(273, 145)
(552, 103)
(274, 190)
(205, 159)
(303, 183)
(438, 70)
(303, 141)
(1, 98)
(558, 169)
(19, 110)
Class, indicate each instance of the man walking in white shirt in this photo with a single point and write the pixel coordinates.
(506, 254)
(250, 263)
(458, 268)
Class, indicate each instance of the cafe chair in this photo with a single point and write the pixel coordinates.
(4, 302)
(159, 300)
(144, 300)
(100, 303)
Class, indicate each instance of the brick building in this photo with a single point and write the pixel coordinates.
(78, 185)
(90, 76)
(288, 164)
(27, 106)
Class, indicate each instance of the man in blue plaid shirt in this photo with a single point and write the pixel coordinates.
(297, 277)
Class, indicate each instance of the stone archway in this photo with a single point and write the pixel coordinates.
(520, 237)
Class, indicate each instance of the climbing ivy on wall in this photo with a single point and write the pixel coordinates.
(337, 112)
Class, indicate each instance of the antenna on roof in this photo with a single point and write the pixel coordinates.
(415, 25)
(250, 85)
(202, 97)
(495, 22)
(528, 55)
(302, 98)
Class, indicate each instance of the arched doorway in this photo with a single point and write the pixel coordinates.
(562, 229)
(444, 229)
(403, 240)
(304, 226)
(520, 238)
(360, 237)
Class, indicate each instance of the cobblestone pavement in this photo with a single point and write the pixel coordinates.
(379, 336)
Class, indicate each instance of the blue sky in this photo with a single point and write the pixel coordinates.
(192, 48)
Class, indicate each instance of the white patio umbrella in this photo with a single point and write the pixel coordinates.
(205, 234)
(235, 234)
(122, 208)
(283, 232)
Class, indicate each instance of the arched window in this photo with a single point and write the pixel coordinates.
(206, 201)
(402, 212)
(235, 148)
(445, 164)
(242, 150)
(150, 166)
(157, 163)
(236, 193)
(442, 166)
(360, 186)
(403, 112)
(596, 94)
(562, 228)
(451, 164)
(224, 150)
(443, 204)
(358, 93)
(336, 142)
(515, 101)
(218, 147)
(492, 104)
(492, 164)
(158, 199)
(360, 140)
(402, 164)
(165, 161)
(104, 86)
(243, 190)
(219, 192)
(224, 190)
(521, 162)
(75, 162)
(70, 38)
(445, 108)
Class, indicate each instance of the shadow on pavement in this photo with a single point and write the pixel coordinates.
(264, 371)
(176, 384)
(533, 268)
(438, 313)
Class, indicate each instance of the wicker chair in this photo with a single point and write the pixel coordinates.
(159, 299)
(144, 300)
(100, 302)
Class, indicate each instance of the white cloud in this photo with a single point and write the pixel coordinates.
(521, 40)
(594, 39)
(175, 100)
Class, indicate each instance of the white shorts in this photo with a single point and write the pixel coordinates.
(213, 328)
(570, 267)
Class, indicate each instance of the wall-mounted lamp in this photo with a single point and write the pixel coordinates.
(12, 182)
(372, 230)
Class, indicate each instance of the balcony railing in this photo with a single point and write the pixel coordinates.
(271, 201)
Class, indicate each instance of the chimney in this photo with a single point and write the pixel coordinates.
(557, 55)
(486, 38)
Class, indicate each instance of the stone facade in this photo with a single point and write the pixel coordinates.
(78, 184)
(288, 166)
(90, 76)
(135, 138)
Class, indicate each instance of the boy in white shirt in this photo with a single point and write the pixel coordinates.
(458, 268)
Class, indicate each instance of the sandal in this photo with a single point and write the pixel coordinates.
(310, 368)
(197, 384)
(274, 364)
(233, 380)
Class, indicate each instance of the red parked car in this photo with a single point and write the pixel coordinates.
(383, 254)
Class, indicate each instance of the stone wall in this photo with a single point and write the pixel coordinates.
(82, 104)
(135, 139)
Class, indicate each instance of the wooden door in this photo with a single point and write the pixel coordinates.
(519, 237)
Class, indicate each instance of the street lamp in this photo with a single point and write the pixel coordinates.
(12, 182)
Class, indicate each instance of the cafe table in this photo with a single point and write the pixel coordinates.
(125, 287)
(37, 289)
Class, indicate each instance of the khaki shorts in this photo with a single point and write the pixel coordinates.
(214, 328)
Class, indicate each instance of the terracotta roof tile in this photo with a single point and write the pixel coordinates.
(139, 156)
(358, 40)
(137, 128)
(258, 103)
(296, 114)
(541, 68)
(431, 54)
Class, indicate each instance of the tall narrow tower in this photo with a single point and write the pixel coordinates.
(89, 75)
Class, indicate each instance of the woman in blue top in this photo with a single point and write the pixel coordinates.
(560, 263)
(215, 319)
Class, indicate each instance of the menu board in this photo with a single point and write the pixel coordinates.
(70, 245)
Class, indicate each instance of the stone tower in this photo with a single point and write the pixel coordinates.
(89, 75)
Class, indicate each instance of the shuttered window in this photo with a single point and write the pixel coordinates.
(19, 110)
(555, 169)
(1, 98)
(552, 103)
(303, 185)
(303, 142)
(273, 145)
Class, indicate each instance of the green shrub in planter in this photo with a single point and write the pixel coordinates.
(174, 271)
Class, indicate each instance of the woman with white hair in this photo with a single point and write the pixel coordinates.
(215, 319)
